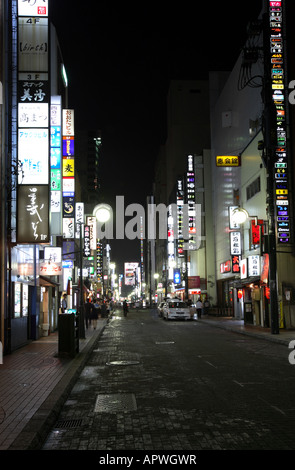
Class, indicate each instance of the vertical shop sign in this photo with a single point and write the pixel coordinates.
(278, 70)
(33, 96)
(180, 202)
(191, 199)
(55, 153)
(68, 164)
(235, 243)
(86, 251)
(32, 214)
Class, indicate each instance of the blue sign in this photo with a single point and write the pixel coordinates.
(176, 276)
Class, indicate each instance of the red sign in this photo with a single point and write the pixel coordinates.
(194, 282)
(255, 231)
(225, 267)
(235, 264)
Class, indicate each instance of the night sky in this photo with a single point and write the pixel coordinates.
(119, 58)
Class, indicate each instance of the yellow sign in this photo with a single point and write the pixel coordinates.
(281, 191)
(228, 160)
(68, 167)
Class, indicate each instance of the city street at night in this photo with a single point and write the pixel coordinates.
(155, 384)
(147, 274)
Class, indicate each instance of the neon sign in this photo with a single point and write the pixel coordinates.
(277, 66)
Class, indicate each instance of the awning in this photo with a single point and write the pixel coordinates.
(45, 282)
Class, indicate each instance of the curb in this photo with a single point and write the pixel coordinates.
(264, 336)
(36, 430)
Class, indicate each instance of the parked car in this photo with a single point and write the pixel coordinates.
(176, 309)
(160, 308)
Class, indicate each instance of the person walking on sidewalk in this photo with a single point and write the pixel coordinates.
(125, 308)
(88, 313)
(95, 313)
(64, 303)
(199, 306)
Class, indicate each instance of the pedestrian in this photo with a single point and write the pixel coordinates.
(199, 306)
(64, 303)
(88, 313)
(206, 307)
(103, 310)
(95, 313)
(125, 308)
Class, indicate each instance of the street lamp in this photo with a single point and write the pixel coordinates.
(102, 212)
(240, 216)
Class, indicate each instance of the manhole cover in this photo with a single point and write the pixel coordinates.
(122, 363)
(115, 402)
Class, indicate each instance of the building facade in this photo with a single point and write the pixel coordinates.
(251, 162)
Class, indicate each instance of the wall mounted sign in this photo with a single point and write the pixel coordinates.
(33, 214)
(228, 160)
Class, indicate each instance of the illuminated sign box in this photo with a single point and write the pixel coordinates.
(68, 146)
(33, 115)
(228, 160)
(55, 201)
(55, 180)
(55, 158)
(235, 243)
(55, 136)
(33, 214)
(68, 167)
(33, 156)
(68, 122)
(68, 185)
(33, 44)
(68, 227)
(33, 8)
(254, 265)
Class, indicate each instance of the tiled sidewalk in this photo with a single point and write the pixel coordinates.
(34, 382)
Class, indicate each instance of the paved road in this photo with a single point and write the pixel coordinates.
(153, 384)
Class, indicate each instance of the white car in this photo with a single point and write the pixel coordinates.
(176, 309)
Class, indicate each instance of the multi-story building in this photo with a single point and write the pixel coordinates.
(250, 137)
(88, 149)
(182, 175)
(34, 85)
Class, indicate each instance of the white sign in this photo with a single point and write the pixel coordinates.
(55, 198)
(232, 223)
(68, 122)
(243, 268)
(50, 269)
(254, 265)
(33, 156)
(235, 243)
(33, 7)
(52, 253)
(33, 44)
(79, 217)
(130, 273)
(91, 221)
(32, 115)
(55, 115)
(68, 228)
(68, 185)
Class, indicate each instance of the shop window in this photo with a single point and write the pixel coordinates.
(21, 300)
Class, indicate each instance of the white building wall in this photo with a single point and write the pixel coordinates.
(231, 113)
